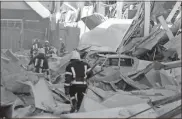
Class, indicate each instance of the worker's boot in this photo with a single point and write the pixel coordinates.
(73, 106)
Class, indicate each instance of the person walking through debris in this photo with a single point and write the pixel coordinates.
(40, 63)
(76, 74)
(34, 48)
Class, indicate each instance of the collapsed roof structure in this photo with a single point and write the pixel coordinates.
(137, 75)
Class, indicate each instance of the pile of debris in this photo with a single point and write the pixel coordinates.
(141, 79)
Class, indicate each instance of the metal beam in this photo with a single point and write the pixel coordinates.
(147, 18)
(173, 11)
(165, 26)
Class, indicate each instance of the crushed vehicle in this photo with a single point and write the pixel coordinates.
(111, 59)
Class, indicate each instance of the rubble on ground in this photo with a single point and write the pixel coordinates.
(148, 88)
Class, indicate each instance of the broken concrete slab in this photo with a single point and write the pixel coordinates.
(94, 96)
(154, 94)
(90, 105)
(119, 100)
(22, 112)
(61, 107)
(11, 56)
(175, 41)
(166, 79)
(11, 67)
(58, 92)
(154, 78)
(101, 93)
(10, 82)
(41, 101)
(120, 112)
(7, 96)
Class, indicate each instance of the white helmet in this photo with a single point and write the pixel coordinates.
(75, 55)
(46, 41)
(41, 50)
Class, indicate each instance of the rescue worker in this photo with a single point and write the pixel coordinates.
(6, 110)
(48, 49)
(40, 63)
(77, 72)
(34, 48)
(62, 49)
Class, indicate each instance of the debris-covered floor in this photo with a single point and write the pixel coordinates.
(147, 84)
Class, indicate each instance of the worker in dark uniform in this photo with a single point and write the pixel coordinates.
(34, 48)
(77, 72)
(40, 63)
(48, 49)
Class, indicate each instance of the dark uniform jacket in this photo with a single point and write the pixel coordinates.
(37, 61)
(48, 50)
(76, 73)
(34, 48)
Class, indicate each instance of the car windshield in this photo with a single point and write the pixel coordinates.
(127, 62)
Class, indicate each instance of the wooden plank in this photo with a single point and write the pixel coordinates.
(165, 26)
(147, 18)
(173, 11)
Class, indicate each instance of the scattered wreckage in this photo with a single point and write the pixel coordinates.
(132, 79)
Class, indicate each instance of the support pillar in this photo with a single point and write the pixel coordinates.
(147, 18)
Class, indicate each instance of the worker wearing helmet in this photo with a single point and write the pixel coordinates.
(48, 49)
(76, 74)
(34, 48)
(40, 63)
